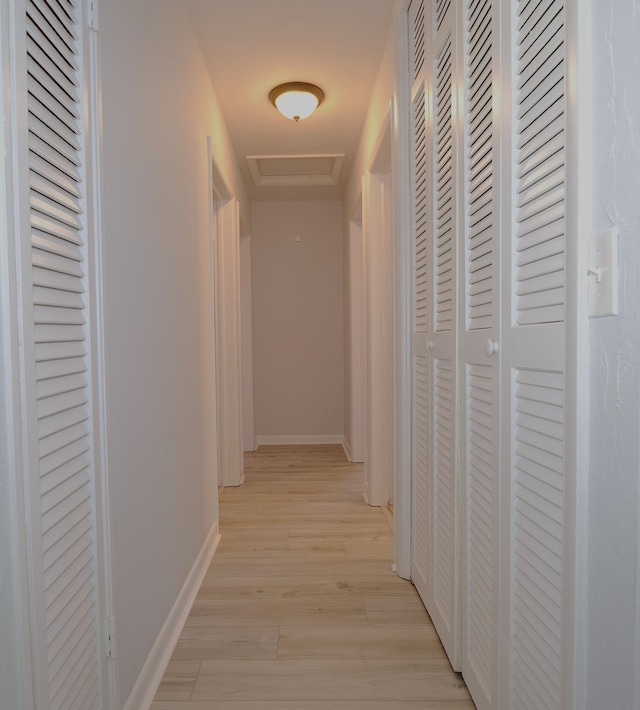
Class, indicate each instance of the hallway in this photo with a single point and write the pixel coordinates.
(300, 608)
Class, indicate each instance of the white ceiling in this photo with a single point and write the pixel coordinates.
(250, 46)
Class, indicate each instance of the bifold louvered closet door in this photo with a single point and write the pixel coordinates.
(63, 554)
(436, 155)
(479, 355)
(534, 399)
(491, 495)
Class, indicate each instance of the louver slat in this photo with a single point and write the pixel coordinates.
(65, 97)
(480, 456)
(540, 264)
(444, 205)
(64, 159)
(63, 61)
(64, 31)
(417, 36)
(44, 57)
(538, 542)
(53, 175)
(442, 7)
(420, 214)
(422, 545)
(444, 503)
(60, 335)
(62, 439)
(480, 296)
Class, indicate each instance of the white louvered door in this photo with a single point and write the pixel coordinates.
(65, 604)
(493, 436)
(479, 355)
(442, 345)
(435, 223)
(534, 368)
(422, 493)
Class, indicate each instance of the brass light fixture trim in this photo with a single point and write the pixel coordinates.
(296, 87)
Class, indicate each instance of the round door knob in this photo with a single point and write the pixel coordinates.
(490, 347)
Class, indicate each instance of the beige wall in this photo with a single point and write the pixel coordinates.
(383, 92)
(159, 108)
(298, 318)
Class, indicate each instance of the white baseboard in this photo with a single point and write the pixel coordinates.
(252, 446)
(298, 440)
(346, 448)
(150, 677)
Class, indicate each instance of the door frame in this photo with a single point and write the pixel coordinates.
(357, 334)
(225, 296)
(378, 239)
(246, 333)
(394, 136)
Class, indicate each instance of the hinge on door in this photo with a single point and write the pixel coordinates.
(93, 15)
(110, 637)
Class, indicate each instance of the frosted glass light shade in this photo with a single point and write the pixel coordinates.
(296, 100)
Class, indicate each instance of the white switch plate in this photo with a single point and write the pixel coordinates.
(603, 274)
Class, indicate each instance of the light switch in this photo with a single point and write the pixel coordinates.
(603, 274)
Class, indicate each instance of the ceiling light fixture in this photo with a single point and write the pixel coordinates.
(296, 100)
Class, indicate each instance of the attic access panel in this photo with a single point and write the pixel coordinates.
(295, 170)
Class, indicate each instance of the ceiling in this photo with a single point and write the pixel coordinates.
(250, 46)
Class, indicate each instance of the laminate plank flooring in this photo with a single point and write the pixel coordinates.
(300, 609)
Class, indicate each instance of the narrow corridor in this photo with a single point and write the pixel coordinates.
(300, 609)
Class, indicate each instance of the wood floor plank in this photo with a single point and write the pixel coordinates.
(223, 642)
(178, 680)
(358, 642)
(371, 549)
(276, 549)
(300, 609)
(290, 611)
(343, 679)
(408, 611)
(301, 565)
(291, 586)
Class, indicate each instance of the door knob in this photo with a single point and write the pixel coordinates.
(490, 347)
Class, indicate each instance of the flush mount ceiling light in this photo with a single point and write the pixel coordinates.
(296, 100)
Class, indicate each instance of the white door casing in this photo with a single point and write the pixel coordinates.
(357, 312)
(228, 347)
(378, 236)
(246, 323)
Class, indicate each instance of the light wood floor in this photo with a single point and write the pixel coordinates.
(300, 609)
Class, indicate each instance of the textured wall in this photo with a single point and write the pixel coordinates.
(614, 518)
